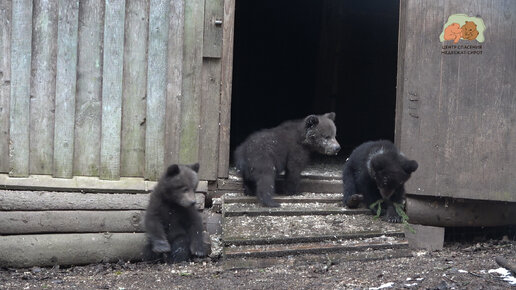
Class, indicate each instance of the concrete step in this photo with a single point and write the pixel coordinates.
(288, 227)
(235, 204)
(306, 224)
(307, 184)
(353, 245)
(325, 260)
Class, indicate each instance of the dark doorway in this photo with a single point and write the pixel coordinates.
(299, 57)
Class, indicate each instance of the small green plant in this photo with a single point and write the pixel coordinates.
(404, 216)
(377, 206)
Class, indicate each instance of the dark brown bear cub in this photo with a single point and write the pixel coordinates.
(287, 147)
(172, 223)
(377, 170)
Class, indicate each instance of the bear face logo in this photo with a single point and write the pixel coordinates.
(453, 32)
(463, 27)
(469, 30)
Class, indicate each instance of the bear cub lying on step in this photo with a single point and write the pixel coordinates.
(287, 147)
(172, 223)
(377, 170)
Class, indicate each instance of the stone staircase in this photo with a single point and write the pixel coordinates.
(312, 226)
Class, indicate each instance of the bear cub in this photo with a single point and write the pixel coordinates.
(173, 225)
(377, 170)
(287, 147)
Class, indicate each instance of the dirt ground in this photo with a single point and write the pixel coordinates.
(463, 265)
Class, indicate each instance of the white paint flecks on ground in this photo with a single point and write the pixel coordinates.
(504, 274)
(383, 286)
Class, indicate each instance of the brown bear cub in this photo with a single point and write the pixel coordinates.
(173, 225)
(377, 170)
(287, 147)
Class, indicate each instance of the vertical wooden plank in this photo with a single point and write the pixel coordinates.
(156, 88)
(21, 38)
(112, 76)
(402, 46)
(191, 98)
(5, 82)
(89, 87)
(43, 85)
(175, 81)
(421, 90)
(210, 89)
(213, 20)
(67, 30)
(210, 108)
(226, 80)
(132, 154)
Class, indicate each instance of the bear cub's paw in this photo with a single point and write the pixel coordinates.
(269, 202)
(160, 246)
(392, 218)
(354, 200)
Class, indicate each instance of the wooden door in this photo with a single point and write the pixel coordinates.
(456, 104)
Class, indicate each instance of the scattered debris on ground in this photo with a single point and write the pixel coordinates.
(456, 266)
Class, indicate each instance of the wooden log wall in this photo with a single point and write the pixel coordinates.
(114, 88)
(72, 228)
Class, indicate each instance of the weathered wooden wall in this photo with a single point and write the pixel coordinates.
(456, 114)
(114, 88)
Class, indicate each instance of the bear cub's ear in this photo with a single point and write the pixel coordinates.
(311, 121)
(173, 170)
(194, 167)
(330, 116)
(409, 166)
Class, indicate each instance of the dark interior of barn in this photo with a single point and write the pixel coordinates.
(300, 57)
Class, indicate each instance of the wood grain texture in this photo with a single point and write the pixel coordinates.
(77, 183)
(447, 212)
(156, 89)
(402, 41)
(69, 249)
(192, 66)
(36, 222)
(213, 28)
(66, 84)
(20, 88)
(43, 201)
(112, 76)
(70, 201)
(89, 88)
(5, 82)
(226, 85)
(174, 82)
(210, 111)
(43, 86)
(459, 113)
(132, 155)
(421, 87)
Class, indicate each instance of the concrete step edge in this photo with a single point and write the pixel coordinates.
(227, 241)
(320, 248)
(291, 212)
